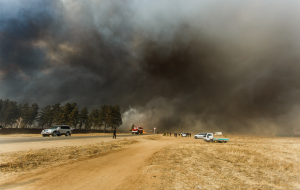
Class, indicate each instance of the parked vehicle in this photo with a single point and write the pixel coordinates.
(57, 131)
(183, 135)
(137, 130)
(200, 135)
(210, 138)
(218, 133)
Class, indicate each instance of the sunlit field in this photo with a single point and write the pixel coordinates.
(243, 163)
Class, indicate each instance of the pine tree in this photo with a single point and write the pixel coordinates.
(32, 114)
(73, 117)
(25, 115)
(83, 117)
(2, 110)
(117, 117)
(19, 120)
(46, 117)
(12, 113)
(42, 117)
(68, 115)
(49, 115)
(106, 116)
(55, 114)
(94, 119)
(110, 116)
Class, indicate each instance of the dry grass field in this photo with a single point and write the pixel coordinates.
(25, 161)
(243, 163)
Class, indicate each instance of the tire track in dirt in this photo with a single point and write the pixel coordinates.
(106, 171)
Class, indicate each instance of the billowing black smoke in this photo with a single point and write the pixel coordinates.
(171, 65)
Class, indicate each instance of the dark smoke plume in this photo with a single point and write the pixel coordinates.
(178, 66)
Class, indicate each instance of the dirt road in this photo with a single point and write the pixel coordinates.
(62, 138)
(156, 162)
(12, 143)
(107, 171)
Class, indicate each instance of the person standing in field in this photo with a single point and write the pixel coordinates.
(170, 134)
(115, 134)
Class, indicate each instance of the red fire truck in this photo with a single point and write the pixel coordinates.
(137, 130)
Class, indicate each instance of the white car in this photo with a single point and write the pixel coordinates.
(57, 131)
(200, 135)
(183, 135)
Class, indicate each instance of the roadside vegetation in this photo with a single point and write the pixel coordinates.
(13, 163)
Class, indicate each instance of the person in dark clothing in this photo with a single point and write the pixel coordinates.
(115, 134)
(170, 134)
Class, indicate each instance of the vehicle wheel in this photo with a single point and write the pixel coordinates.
(67, 134)
(54, 134)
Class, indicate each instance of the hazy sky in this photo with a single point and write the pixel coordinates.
(173, 64)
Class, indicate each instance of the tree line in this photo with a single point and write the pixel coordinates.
(17, 115)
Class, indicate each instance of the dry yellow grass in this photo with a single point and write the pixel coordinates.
(39, 135)
(27, 160)
(243, 163)
(153, 137)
